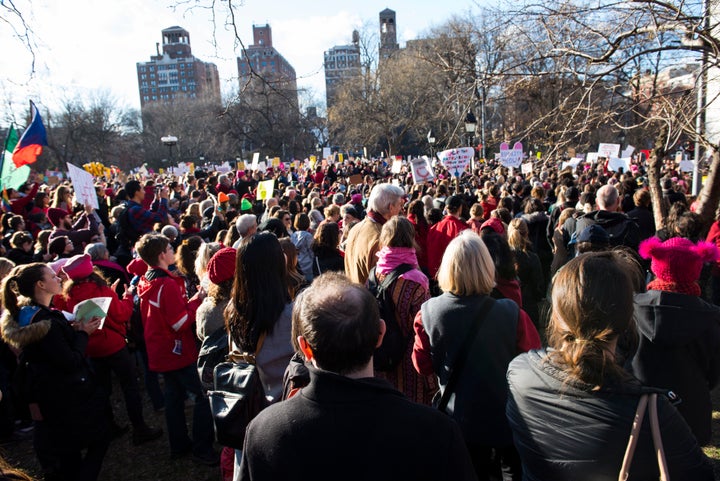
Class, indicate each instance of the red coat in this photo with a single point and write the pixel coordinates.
(714, 237)
(168, 320)
(438, 238)
(111, 338)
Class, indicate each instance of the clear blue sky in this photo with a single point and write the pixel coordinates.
(87, 46)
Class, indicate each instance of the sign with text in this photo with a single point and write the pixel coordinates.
(687, 165)
(609, 150)
(526, 168)
(396, 166)
(265, 189)
(255, 162)
(511, 157)
(616, 163)
(83, 184)
(421, 170)
(456, 160)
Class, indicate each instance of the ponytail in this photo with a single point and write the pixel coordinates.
(21, 282)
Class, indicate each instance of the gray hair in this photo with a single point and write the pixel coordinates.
(244, 223)
(169, 231)
(607, 196)
(382, 196)
(96, 251)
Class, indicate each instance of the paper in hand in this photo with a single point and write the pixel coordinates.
(87, 309)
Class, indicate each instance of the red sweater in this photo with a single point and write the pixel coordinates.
(111, 338)
(168, 320)
(438, 238)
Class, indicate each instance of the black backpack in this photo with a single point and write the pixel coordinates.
(126, 235)
(392, 350)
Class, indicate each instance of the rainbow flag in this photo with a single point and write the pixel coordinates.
(30, 145)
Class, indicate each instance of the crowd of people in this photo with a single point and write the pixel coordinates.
(533, 311)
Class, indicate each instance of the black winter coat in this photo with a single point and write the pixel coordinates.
(679, 350)
(565, 430)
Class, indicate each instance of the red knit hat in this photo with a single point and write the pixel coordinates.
(54, 215)
(222, 265)
(677, 262)
(495, 224)
(137, 267)
(78, 267)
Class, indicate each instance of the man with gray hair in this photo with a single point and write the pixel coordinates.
(622, 230)
(385, 202)
(347, 424)
(246, 225)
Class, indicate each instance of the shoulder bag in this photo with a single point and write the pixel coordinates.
(457, 366)
(237, 396)
(657, 438)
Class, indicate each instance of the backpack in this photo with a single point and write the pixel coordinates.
(213, 351)
(392, 350)
(127, 235)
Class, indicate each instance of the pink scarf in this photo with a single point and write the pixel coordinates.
(391, 257)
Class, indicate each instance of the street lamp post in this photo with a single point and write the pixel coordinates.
(431, 141)
(470, 126)
(170, 141)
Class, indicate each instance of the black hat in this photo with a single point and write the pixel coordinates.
(454, 202)
(594, 234)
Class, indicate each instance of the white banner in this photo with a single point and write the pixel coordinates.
(84, 185)
(616, 163)
(609, 150)
(456, 160)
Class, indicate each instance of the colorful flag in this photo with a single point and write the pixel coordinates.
(6, 201)
(10, 176)
(31, 142)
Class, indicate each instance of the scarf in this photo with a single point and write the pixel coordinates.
(391, 257)
(689, 288)
(376, 217)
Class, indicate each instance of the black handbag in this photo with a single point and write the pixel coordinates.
(237, 397)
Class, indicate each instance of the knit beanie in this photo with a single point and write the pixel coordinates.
(78, 267)
(495, 224)
(677, 263)
(245, 205)
(137, 267)
(57, 265)
(54, 215)
(221, 266)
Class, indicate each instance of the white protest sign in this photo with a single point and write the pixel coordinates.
(456, 160)
(262, 166)
(627, 152)
(511, 157)
(256, 160)
(421, 170)
(609, 150)
(616, 163)
(592, 157)
(396, 167)
(326, 152)
(224, 168)
(678, 157)
(83, 184)
(526, 168)
(573, 163)
(687, 165)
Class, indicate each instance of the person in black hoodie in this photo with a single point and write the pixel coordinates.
(679, 332)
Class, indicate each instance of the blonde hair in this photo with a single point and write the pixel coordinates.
(467, 268)
(518, 235)
(205, 252)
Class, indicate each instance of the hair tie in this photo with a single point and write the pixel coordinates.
(185, 242)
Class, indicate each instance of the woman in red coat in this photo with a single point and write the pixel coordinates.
(107, 348)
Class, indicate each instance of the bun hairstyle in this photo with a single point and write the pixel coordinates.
(592, 305)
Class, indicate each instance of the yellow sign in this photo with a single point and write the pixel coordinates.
(161, 171)
(539, 155)
(276, 162)
(265, 189)
(313, 159)
(241, 165)
(191, 167)
(340, 158)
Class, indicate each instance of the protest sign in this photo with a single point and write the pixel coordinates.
(456, 160)
(608, 150)
(526, 168)
(592, 157)
(687, 165)
(421, 170)
(326, 152)
(616, 163)
(255, 162)
(265, 189)
(396, 166)
(572, 163)
(83, 184)
(511, 157)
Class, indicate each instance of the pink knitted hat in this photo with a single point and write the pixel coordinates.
(678, 260)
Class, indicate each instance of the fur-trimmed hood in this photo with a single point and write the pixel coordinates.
(23, 331)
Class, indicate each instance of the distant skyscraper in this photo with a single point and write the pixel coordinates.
(341, 62)
(176, 73)
(265, 61)
(388, 34)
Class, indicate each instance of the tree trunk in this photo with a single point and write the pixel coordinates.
(707, 202)
(654, 164)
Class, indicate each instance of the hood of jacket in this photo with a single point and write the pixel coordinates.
(606, 219)
(672, 319)
(23, 331)
(146, 285)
